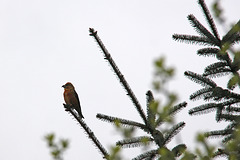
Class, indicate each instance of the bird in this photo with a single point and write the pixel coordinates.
(71, 98)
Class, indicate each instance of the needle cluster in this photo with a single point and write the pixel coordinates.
(224, 101)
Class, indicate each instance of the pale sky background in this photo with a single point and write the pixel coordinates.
(44, 44)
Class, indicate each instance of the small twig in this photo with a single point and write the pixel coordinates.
(89, 132)
(119, 74)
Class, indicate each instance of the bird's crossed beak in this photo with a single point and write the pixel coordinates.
(63, 86)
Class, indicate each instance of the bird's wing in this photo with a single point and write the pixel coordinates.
(78, 107)
(78, 102)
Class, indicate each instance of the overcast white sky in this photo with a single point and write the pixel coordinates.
(44, 44)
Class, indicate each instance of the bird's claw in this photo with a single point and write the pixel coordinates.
(67, 107)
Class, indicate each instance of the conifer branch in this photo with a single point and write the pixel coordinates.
(229, 117)
(150, 97)
(216, 93)
(214, 52)
(175, 109)
(146, 155)
(217, 69)
(227, 133)
(204, 81)
(135, 142)
(89, 132)
(227, 101)
(203, 109)
(119, 74)
(216, 65)
(172, 132)
(217, 72)
(202, 30)
(233, 95)
(201, 93)
(216, 134)
(179, 149)
(209, 19)
(121, 121)
(208, 51)
(171, 112)
(190, 39)
(233, 109)
(151, 115)
(158, 137)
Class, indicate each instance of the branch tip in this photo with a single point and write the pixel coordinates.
(92, 32)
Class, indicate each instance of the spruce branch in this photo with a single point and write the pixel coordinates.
(227, 133)
(150, 97)
(190, 39)
(170, 113)
(204, 81)
(233, 109)
(214, 52)
(172, 132)
(88, 131)
(217, 72)
(150, 121)
(217, 69)
(203, 109)
(208, 51)
(216, 65)
(146, 155)
(229, 117)
(201, 93)
(220, 133)
(135, 142)
(233, 95)
(119, 74)
(209, 19)
(175, 109)
(202, 30)
(121, 121)
(224, 101)
(151, 108)
(216, 93)
(179, 149)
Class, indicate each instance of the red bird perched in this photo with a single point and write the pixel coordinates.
(71, 98)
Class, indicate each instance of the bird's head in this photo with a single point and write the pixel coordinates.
(68, 85)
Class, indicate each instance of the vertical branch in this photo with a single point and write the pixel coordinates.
(89, 132)
(119, 74)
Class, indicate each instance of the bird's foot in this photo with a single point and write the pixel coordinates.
(67, 107)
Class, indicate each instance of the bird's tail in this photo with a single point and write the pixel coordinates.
(79, 113)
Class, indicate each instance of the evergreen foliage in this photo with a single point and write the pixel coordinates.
(152, 119)
(222, 100)
(225, 101)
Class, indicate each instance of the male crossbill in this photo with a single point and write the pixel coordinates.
(71, 98)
